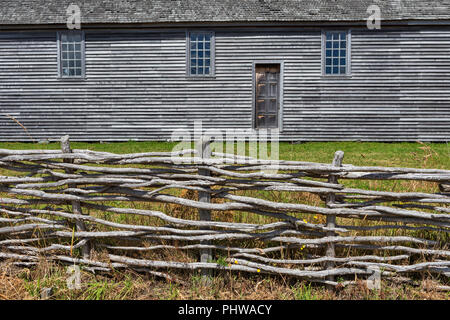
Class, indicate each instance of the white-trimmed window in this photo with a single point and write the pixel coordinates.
(200, 54)
(336, 53)
(71, 57)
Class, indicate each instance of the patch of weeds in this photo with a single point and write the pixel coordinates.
(304, 292)
(174, 292)
(33, 288)
(96, 290)
(221, 260)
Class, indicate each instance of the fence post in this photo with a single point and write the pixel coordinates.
(76, 206)
(204, 151)
(331, 219)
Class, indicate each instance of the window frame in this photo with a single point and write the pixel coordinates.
(348, 33)
(212, 73)
(83, 56)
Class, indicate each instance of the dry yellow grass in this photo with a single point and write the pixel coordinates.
(18, 283)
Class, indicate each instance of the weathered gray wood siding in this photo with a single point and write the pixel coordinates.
(136, 85)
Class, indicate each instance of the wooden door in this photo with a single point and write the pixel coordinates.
(267, 95)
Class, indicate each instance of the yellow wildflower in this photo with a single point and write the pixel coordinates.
(258, 270)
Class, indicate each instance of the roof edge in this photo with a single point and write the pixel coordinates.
(327, 23)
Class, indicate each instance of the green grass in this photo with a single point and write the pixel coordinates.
(418, 155)
(304, 291)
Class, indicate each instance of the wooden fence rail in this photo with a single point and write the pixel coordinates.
(109, 211)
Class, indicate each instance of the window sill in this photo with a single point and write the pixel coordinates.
(72, 79)
(333, 77)
(257, 130)
(200, 77)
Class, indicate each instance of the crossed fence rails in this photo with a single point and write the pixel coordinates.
(62, 205)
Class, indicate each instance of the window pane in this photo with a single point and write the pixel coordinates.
(71, 54)
(335, 53)
(200, 53)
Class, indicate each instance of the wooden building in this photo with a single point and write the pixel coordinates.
(140, 69)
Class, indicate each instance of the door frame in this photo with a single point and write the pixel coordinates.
(280, 91)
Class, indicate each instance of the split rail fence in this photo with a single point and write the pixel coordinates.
(63, 206)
